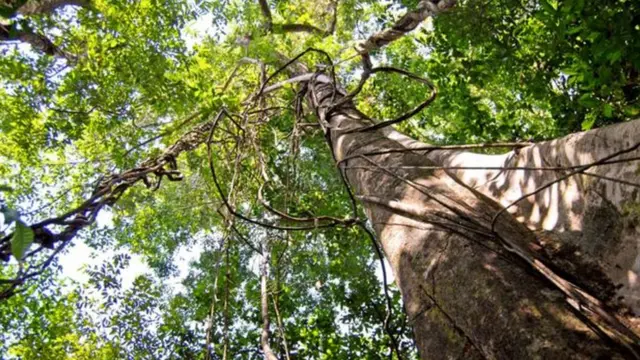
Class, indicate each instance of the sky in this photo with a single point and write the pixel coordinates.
(80, 256)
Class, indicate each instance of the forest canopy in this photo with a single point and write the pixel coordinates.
(140, 131)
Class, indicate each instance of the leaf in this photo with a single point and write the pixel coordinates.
(548, 6)
(8, 9)
(6, 188)
(22, 239)
(587, 124)
(607, 110)
(588, 101)
(593, 36)
(574, 30)
(614, 56)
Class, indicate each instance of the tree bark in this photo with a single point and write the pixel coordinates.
(40, 42)
(264, 303)
(37, 41)
(594, 215)
(47, 6)
(538, 281)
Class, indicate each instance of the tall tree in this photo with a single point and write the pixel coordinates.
(525, 254)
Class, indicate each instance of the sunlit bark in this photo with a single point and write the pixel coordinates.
(475, 287)
(596, 212)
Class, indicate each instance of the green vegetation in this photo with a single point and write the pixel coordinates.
(113, 83)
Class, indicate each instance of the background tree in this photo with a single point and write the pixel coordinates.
(111, 95)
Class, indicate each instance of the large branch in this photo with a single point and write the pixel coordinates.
(266, 12)
(287, 28)
(419, 214)
(48, 6)
(109, 190)
(407, 23)
(11, 32)
(295, 27)
(39, 42)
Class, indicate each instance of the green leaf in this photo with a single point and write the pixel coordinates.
(593, 36)
(588, 101)
(548, 6)
(632, 111)
(574, 30)
(22, 239)
(587, 124)
(614, 56)
(6, 188)
(607, 110)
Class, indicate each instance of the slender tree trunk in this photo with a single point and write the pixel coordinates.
(264, 303)
(538, 281)
(227, 287)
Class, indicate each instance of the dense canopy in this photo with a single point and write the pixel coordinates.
(221, 186)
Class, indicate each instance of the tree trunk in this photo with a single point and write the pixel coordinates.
(264, 302)
(34, 7)
(541, 280)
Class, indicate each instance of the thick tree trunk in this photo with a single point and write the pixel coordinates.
(541, 281)
(593, 216)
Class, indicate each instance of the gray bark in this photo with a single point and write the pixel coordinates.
(524, 287)
(34, 7)
(594, 215)
(264, 304)
(37, 41)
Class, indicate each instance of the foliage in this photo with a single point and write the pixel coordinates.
(506, 70)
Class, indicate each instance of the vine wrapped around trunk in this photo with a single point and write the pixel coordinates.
(476, 284)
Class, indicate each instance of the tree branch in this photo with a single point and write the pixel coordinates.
(287, 28)
(39, 42)
(280, 326)
(227, 277)
(214, 299)
(109, 189)
(407, 23)
(47, 6)
(266, 12)
(295, 27)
